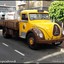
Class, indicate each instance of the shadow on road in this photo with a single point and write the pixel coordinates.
(23, 42)
(41, 46)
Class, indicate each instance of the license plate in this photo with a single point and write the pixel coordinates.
(57, 43)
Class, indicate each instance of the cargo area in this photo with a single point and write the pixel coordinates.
(12, 24)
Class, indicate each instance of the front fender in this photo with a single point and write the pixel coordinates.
(37, 38)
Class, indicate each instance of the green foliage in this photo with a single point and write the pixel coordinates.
(59, 0)
(56, 10)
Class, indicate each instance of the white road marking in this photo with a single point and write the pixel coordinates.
(47, 56)
(19, 52)
(5, 44)
(62, 50)
(51, 55)
(0, 30)
(29, 62)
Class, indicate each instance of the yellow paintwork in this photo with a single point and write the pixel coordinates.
(31, 42)
(32, 11)
(46, 26)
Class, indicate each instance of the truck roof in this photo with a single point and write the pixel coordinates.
(33, 11)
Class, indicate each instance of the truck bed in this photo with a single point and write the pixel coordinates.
(12, 24)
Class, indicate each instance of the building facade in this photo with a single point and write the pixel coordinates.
(29, 4)
(42, 4)
(5, 6)
(37, 4)
(8, 3)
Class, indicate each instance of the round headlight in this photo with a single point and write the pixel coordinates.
(41, 35)
(38, 32)
(63, 32)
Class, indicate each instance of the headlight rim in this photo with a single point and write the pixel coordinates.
(55, 32)
(36, 30)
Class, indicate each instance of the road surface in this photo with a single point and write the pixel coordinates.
(17, 51)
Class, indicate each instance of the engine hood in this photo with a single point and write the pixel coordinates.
(44, 25)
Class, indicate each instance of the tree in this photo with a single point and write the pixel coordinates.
(59, 0)
(56, 11)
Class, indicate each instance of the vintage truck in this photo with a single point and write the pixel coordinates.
(36, 27)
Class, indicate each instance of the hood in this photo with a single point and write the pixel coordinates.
(42, 23)
(45, 25)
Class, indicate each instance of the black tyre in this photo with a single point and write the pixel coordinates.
(5, 35)
(15, 34)
(57, 43)
(31, 41)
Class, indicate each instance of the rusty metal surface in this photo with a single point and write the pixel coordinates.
(12, 24)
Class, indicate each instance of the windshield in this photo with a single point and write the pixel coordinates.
(38, 16)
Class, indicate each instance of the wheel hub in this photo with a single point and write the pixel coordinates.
(31, 41)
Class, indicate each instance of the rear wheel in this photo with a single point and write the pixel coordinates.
(31, 41)
(5, 34)
(15, 34)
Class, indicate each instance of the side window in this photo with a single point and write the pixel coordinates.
(24, 17)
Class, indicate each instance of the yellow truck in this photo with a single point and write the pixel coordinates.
(36, 27)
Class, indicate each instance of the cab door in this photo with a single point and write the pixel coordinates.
(23, 25)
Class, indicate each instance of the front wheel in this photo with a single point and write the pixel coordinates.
(31, 41)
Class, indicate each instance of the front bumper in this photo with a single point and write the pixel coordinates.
(50, 41)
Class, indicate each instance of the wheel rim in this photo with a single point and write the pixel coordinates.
(31, 41)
